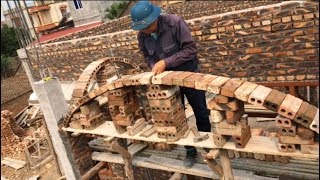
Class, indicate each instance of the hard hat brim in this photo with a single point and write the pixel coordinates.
(148, 20)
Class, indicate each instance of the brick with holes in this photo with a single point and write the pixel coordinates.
(274, 100)
(290, 106)
(157, 87)
(230, 87)
(315, 123)
(282, 121)
(172, 101)
(286, 147)
(258, 96)
(241, 141)
(305, 114)
(242, 92)
(287, 131)
(128, 109)
(163, 94)
(220, 140)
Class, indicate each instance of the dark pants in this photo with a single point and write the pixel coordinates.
(197, 100)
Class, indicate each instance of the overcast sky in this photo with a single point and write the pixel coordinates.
(4, 6)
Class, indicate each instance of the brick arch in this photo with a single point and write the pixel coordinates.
(286, 105)
(93, 68)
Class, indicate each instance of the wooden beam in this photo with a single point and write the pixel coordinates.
(166, 164)
(226, 165)
(176, 176)
(93, 171)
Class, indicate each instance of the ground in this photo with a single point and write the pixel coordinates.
(15, 92)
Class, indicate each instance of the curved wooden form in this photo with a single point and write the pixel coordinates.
(286, 105)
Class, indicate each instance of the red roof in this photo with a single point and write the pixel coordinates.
(66, 32)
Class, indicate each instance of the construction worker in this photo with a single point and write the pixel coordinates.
(166, 44)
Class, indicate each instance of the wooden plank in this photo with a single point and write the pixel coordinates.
(136, 148)
(16, 164)
(166, 164)
(177, 165)
(256, 144)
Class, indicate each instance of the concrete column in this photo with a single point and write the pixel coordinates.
(24, 58)
(54, 107)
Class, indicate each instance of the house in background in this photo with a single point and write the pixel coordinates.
(50, 15)
(87, 12)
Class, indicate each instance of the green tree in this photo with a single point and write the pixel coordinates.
(5, 62)
(114, 11)
(9, 42)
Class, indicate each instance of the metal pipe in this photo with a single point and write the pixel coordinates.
(308, 93)
(20, 37)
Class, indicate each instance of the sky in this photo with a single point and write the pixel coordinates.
(4, 6)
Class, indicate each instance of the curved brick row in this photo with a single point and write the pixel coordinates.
(284, 104)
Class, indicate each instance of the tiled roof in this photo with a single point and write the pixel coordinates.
(66, 32)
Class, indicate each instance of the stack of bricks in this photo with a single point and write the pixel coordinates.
(81, 152)
(292, 136)
(11, 144)
(262, 157)
(104, 74)
(228, 119)
(89, 117)
(167, 111)
(124, 108)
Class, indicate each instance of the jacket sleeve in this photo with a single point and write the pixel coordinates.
(188, 50)
(149, 59)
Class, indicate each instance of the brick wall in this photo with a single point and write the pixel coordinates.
(186, 10)
(277, 42)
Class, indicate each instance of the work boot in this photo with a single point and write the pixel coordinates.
(190, 158)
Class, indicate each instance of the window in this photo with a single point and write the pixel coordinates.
(77, 4)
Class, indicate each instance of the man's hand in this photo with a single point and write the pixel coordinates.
(159, 67)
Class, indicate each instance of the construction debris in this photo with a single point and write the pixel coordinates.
(16, 164)
(11, 133)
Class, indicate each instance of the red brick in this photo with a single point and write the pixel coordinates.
(190, 81)
(229, 87)
(283, 53)
(253, 50)
(305, 133)
(306, 51)
(303, 24)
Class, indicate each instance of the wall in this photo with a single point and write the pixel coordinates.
(272, 43)
(91, 11)
(187, 10)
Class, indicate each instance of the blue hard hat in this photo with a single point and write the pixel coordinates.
(143, 14)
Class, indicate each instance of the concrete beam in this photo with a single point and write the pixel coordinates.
(54, 107)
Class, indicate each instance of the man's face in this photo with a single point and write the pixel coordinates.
(151, 29)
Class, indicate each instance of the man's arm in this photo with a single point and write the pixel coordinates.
(187, 45)
(147, 58)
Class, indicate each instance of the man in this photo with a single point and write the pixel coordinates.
(167, 44)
